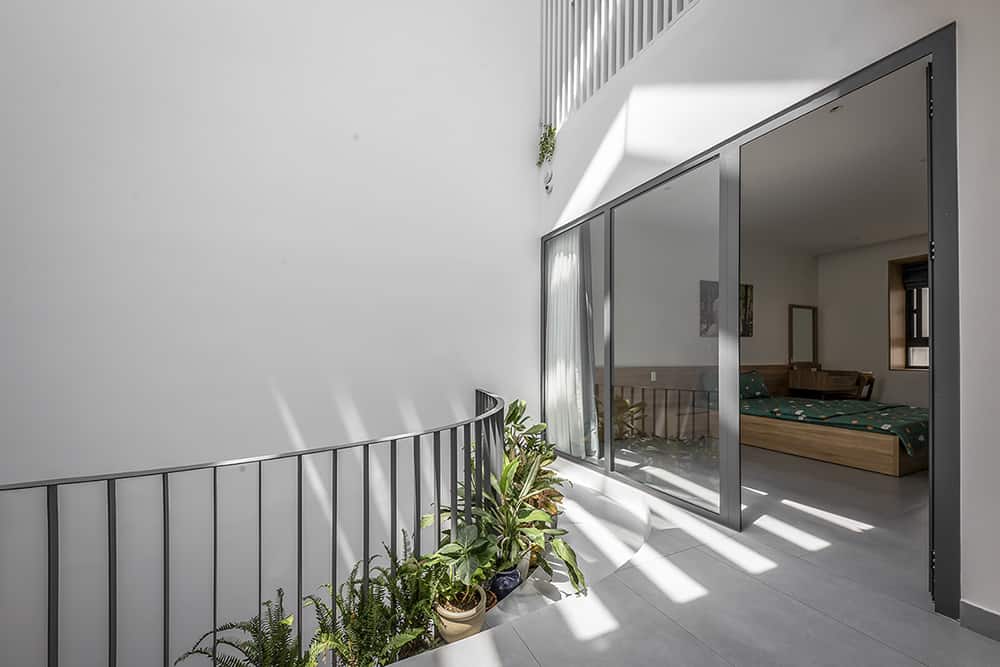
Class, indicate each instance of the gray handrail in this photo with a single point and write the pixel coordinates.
(152, 472)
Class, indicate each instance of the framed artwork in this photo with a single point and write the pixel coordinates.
(709, 307)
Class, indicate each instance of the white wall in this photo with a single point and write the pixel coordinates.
(780, 277)
(727, 65)
(231, 229)
(854, 317)
(214, 210)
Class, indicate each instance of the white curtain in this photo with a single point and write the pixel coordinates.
(570, 410)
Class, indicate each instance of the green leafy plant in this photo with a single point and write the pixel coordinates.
(546, 145)
(521, 527)
(524, 441)
(627, 418)
(466, 562)
(366, 626)
(271, 641)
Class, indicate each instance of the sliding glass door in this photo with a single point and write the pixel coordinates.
(639, 334)
(665, 414)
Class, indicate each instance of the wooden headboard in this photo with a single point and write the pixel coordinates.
(775, 376)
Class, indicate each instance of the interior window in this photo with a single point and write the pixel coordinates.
(918, 318)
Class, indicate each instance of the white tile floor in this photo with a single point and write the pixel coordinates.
(844, 585)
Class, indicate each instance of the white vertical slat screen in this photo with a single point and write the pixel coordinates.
(585, 42)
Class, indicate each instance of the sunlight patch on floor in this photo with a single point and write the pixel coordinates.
(587, 617)
(670, 579)
(790, 533)
(743, 557)
(836, 519)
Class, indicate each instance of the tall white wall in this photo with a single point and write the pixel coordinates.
(780, 277)
(854, 317)
(727, 65)
(226, 225)
(231, 229)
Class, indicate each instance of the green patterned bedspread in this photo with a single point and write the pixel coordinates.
(910, 424)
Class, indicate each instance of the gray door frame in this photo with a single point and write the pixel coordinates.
(939, 46)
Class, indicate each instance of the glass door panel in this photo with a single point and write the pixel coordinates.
(664, 410)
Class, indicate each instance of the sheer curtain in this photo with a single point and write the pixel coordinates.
(570, 409)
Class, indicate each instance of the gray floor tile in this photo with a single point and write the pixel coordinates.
(490, 648)
(612, 625)
(930, 638)
(749, 623)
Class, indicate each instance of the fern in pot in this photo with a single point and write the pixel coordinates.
(465, 563)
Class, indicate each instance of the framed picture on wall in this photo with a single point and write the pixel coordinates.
(709, 307)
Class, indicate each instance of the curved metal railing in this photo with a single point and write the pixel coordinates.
(475, 447)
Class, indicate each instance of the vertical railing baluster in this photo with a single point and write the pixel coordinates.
(478, 461)
(677, 410)
(334, 522)
(298, 548)
(112, 573)
(260, 535)
(366, 513)
(165, 496)
(454, 482)
(467, 494)
(692, 417)
(52, 514)
(437, 489)
(416, 496)
(215, 560)
(393, 500)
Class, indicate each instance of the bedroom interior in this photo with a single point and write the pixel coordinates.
(837, 429)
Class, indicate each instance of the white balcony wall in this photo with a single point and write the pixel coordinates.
(728, 65)
(236, 228)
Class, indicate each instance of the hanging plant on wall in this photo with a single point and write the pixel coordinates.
(546, 145)
(546, 149)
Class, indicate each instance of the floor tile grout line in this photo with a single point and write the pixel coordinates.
(709, 553)
(791, 554)
(676, 622)
(527, 648)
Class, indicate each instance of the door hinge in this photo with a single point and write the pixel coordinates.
(932, 251)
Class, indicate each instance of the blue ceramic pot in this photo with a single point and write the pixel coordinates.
(505, 582)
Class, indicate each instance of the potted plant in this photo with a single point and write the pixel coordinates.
(517, 524)
(466, 562)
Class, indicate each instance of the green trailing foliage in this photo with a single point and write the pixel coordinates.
(268, 640)
(389, 619)
(546, 145)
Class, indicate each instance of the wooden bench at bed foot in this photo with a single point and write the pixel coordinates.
(877, 452)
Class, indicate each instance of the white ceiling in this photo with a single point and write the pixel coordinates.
(837, 179)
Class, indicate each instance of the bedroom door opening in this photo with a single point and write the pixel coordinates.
(849, 366)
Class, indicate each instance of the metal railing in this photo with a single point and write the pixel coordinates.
(692, 410)
(480, 450)
(585, 42)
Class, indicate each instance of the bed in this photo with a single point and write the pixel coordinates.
(886, 438)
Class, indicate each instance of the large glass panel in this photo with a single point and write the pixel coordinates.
(574, 338)
(664, 413)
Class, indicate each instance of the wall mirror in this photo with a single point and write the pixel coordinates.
(802, 339)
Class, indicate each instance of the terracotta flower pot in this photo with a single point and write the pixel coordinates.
(455, 625)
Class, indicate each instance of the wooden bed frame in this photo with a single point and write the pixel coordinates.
(878, 452)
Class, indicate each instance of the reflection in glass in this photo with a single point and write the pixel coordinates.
(574, 275)
(664, 412)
